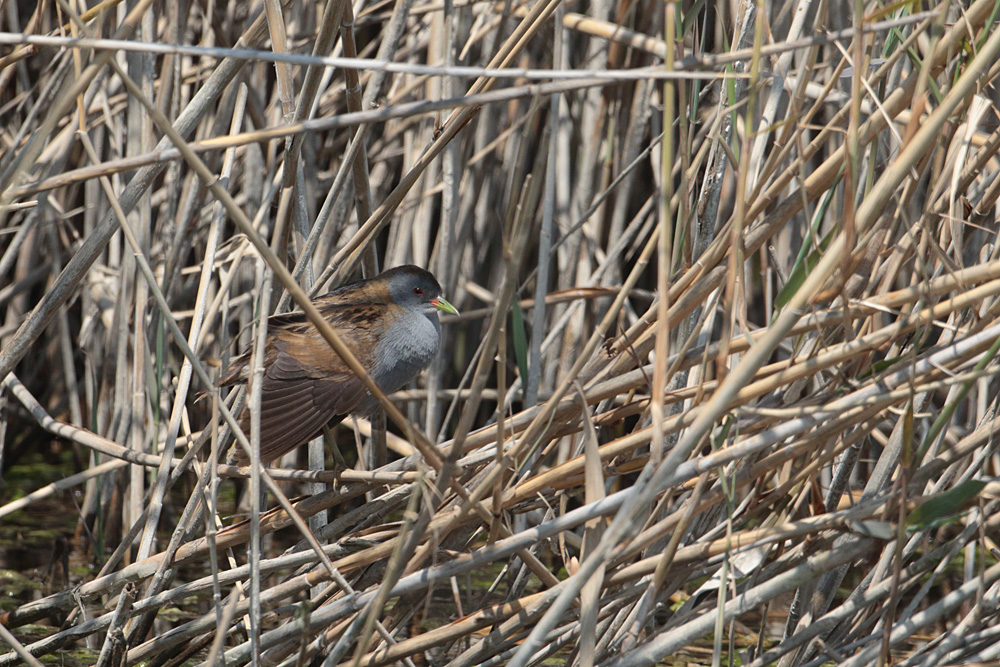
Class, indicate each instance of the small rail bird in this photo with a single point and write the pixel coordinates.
(390, 323)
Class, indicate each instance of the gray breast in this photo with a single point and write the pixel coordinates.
(407, 348)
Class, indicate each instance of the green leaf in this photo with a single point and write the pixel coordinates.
(520, 340)
(945, 504)
(806, 261)
(800, 271)
(690, 16)
(879, 367)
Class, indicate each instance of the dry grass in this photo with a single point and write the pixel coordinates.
(725, 393)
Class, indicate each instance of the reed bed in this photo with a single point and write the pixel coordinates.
(723, 386)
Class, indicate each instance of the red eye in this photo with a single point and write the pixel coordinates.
(418, 291)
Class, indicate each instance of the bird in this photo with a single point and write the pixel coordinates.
(390, 323)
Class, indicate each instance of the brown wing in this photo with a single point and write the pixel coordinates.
(306, 385)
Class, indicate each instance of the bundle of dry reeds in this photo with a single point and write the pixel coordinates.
(723, 388)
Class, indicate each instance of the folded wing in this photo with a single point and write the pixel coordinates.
(305, 386)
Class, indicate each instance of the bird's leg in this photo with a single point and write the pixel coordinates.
(331, 442)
